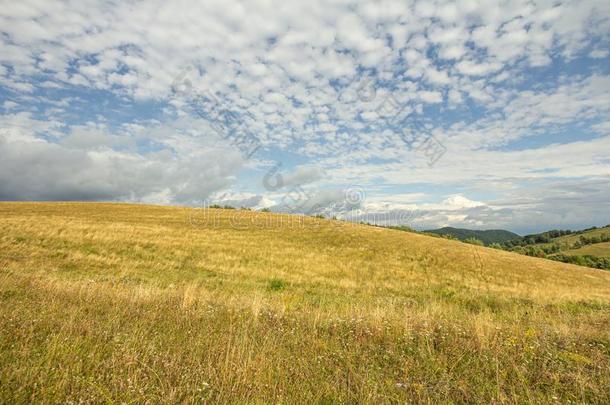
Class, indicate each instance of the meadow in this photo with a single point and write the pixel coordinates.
(105, 303)
(597, 249)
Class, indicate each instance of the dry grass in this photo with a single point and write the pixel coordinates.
(124, 303)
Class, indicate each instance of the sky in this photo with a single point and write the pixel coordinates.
(475, 114)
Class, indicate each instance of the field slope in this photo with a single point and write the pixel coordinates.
(128, 303)
(597, 249)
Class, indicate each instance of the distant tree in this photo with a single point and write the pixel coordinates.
(519, 249)
(535, 251)
(585, 260)
(550, 249)
(496, 246)
(265, 210)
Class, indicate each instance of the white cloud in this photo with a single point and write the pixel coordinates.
(452, 52)
(459, 202)
(437, 76)
(9, 105)
(477, 69)
(598, 54)
(431, 96)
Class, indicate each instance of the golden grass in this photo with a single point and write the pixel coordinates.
(129, 303)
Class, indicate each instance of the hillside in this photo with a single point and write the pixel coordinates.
(569, 243)
(487, 236)
(133, 303)
(598, 249)
(589, 247)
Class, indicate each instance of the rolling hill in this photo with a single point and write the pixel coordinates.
(589, 247)
(135, 303)
(570, 243)
(565, 239)
(598, 249)
(487, 236)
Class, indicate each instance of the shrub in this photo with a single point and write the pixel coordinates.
(474, 241)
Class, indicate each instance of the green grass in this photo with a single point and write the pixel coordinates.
(566, 242)
(571, 239)
(277, 284)
(128, 303)
(596, 249)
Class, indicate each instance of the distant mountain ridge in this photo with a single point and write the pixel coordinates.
(487, 236)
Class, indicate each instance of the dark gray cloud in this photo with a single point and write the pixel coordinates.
(34, 169)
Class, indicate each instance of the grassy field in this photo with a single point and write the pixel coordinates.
(566, 242)
(129, 303)
(596, 249)
(571, 239)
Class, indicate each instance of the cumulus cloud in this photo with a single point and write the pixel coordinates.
(83, 167)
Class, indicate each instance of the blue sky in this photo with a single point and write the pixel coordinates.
(478, 114)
